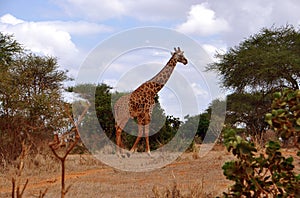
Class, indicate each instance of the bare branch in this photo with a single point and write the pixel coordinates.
(57, 143)
(24, 187)
(13, 181)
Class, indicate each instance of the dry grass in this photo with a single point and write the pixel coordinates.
(90, 178)
(195, 191)
(186, 177)
(43, 174)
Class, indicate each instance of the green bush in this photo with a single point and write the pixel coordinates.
(267, 173)
(285, 116)
(259, 174)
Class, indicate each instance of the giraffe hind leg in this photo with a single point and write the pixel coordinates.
(119, 144)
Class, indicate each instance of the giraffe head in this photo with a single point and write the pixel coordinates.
(179, 57)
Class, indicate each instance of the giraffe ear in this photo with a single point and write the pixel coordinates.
(172, 53)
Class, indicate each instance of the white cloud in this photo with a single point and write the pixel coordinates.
(246, 18)
(229, 20)
(53, 38)
(203, 21)
(143, 10)
(157, 10)
(232, 21)
(9, 19)
(71, 97)
(93, 9)
(78, 28)
(212, 50)
(39, 37)
(199, 91)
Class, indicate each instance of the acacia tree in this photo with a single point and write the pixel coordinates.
(9, 48)
(247, 110)
(36, 84)
(30, 98)
(260, 65)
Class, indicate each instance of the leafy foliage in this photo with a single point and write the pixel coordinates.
(270, 173)
(208, 124)
(285, 115)
(9, 48)
(104, 108)
(198, 123)
(267, 60)
(31, 106)
(166, 132)
(248, 110)
(259, 175)
(259, 66)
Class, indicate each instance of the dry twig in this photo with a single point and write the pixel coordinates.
(57, 143)
(15, 181)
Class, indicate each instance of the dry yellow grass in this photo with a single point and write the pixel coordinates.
(90, 178)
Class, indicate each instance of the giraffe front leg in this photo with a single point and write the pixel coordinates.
(147, 140)
(118, 140)
(140, 133)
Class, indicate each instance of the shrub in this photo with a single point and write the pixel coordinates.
(259, 175)
(269, 173)
(285, 115)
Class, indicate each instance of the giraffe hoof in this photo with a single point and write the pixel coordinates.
(149, 154)
(132, 151)
(123, 155)
(119, 155)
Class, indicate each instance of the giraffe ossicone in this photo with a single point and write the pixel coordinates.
(139, 103)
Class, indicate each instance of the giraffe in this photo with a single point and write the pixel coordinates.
(139, 104)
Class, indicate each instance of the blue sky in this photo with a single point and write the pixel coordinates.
(71, 29)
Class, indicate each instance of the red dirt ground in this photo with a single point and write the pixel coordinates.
(99, 180)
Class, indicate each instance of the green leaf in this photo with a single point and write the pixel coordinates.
(268, 116)
(273, 145)
(277, 95)
(270, 122)
(298, 121)
(289, 160)
(298, 177)
(280, 112)
(282, 104)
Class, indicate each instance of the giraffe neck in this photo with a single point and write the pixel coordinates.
(161, 78)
